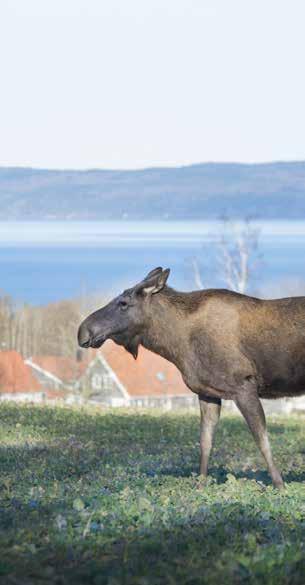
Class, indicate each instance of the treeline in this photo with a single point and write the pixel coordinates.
(46, 330)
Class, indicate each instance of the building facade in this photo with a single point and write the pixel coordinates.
(108, 377)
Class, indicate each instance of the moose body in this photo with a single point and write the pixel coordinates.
(226, 346)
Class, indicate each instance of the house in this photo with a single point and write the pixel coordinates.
(148, 381)
(88, 377)
(112, 377)
(56, 372)
(100, 383)
(16, 379)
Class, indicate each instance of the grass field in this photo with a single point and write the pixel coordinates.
(114, 498)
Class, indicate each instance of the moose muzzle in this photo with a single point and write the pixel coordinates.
(89, 336)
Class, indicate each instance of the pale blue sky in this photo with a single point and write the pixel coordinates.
(134, 83)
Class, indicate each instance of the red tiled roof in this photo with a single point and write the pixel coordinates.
(15, 375)
(65, 368)
(148, 375)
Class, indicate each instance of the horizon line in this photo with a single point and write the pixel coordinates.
(153, 167)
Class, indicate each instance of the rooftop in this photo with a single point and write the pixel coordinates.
(15, 375)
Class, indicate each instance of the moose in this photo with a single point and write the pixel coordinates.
(227, 346)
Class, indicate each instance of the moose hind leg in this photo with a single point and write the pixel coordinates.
(209, 413)
(250, 406)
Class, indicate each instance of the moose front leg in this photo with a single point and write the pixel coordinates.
(250, 406)
(209, 413)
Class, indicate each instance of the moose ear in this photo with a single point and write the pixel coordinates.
(153, 272)
(153, 284)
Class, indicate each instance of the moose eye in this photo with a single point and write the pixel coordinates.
(123, 304)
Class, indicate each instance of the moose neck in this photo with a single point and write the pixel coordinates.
(166, 332)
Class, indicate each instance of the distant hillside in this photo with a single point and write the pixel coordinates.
(203, 191)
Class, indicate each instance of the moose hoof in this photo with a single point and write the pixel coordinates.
(278, 482)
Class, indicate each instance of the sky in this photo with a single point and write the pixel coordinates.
(137, 83)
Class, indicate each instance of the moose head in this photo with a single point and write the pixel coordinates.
(125, 318)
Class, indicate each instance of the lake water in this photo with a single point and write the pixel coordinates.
(45, 261)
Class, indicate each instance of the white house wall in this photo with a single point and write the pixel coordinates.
(100, 384)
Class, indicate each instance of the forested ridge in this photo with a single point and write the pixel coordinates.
(207, 191)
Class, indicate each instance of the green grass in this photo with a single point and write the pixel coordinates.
(114, 498)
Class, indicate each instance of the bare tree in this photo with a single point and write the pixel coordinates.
(237, 255)
(197, 274)
(46, 330)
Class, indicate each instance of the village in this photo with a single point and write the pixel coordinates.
(108, 377)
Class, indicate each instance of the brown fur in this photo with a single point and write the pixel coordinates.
(226, 346)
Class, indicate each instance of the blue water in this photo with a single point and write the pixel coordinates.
(42, 262)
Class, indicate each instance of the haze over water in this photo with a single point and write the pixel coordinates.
(48, 261)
